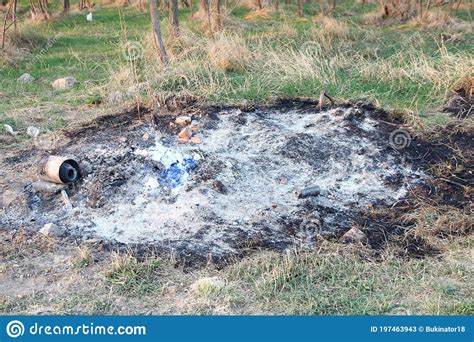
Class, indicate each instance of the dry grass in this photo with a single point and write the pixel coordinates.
(330, 29)
(119, 261)
(228, 53)
(200, 64)
(439, 19)
(19, 43)
(208, 287)
(464, 85)
(440, 225)
(83, 257)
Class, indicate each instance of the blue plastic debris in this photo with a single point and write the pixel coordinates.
(173, 175)
(189, 164)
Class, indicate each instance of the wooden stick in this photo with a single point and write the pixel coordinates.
(5, 28)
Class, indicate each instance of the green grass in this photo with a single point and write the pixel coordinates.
(345, 284)
(92, 52)
(135, 279)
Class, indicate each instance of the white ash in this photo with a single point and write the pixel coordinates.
(264, 159)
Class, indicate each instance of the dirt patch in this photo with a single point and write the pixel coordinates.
(241, 187)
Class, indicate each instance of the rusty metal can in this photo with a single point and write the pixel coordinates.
(60, 170)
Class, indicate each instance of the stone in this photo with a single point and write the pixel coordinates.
(25, 78)
(115, 97)
(219, 186)
(64, 83)
(354, 235)
(245, 106)
(8, 197)
(185, 134)
(47, 187)
(183, 120)
(196, 140)
(51, 229)
(145, 136)
(92, 241)
(33, 132)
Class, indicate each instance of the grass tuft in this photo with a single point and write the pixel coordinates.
(132, 278)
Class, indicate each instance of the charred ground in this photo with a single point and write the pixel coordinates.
(129, 131)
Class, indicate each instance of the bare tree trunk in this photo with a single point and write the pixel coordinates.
(420, 8)
(174, 22)
(33, 12)
(457, 6)
(321, 5)
(203, 6)
(428, 5)
(9, 14)
(155, 25)
(208, 14)
(5, 28)
(46, 9)
(259, 4)
(15, 7)
(300, 8)
(277, 4)
(333, 7)
(66, 7)
(40, 5)
(217, 15)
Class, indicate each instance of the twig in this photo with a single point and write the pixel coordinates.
(466, 188)
(323, 95)
(5, 28)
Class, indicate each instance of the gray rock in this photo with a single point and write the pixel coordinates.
(64, 83)
(10, 196)
(51, 229)
(115, 97)
(92, 241)
(354, 235)
(25, 78)
(47, 187)
(137, 88)
(33, 131)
